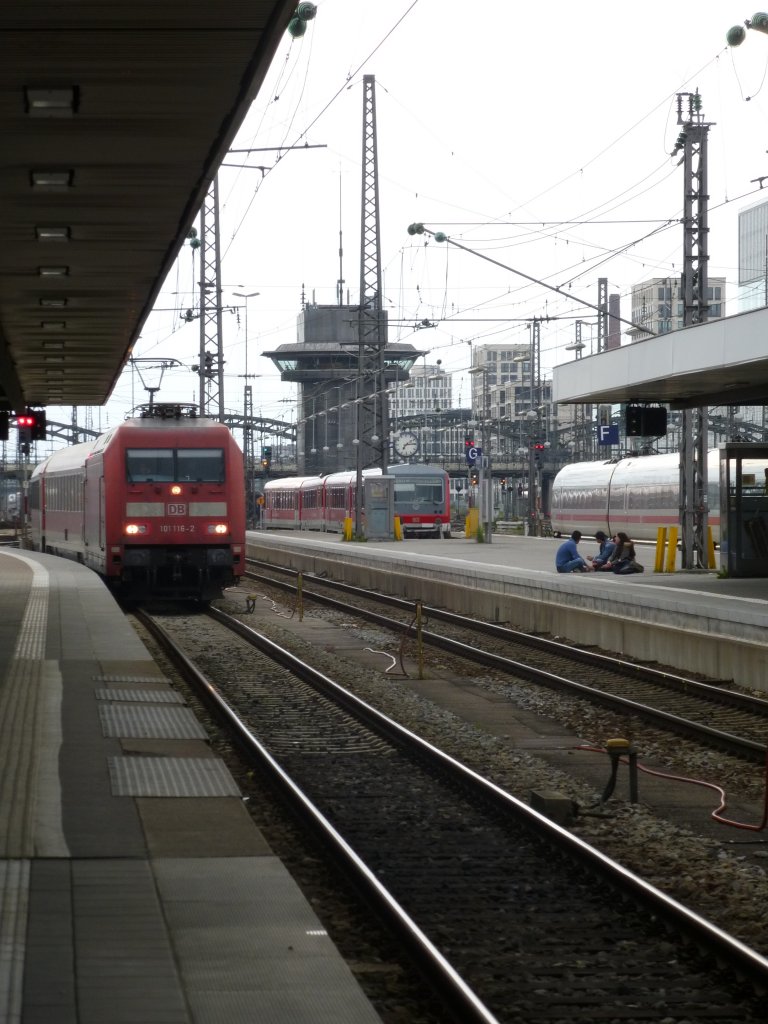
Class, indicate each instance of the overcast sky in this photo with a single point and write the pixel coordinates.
(534, 135)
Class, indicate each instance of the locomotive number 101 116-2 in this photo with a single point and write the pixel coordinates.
(155, 506)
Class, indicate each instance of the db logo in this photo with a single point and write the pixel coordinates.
(177, 510)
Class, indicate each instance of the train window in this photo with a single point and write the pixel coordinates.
(165, 465)
(149, 465)
(425, 491)
(336, 497)
(205, 465)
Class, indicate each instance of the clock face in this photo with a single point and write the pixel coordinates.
(406, 443)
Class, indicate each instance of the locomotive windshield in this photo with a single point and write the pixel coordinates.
(418, 493)
(205, 465)
(174, 465)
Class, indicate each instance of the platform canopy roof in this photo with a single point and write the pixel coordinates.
(114, 118)
(723, 362)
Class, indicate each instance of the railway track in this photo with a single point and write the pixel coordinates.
(713, 715)
(512, 917)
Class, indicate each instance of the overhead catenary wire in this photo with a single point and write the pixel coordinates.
(342, 88)
(439, 236)
(441, 297)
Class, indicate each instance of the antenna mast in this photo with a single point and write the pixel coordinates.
(340, 283)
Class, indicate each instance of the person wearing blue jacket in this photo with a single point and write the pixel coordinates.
(567, 557)
(607, 547)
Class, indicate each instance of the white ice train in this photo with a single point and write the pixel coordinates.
(637, 494)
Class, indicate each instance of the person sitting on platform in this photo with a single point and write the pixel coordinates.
(623, 560)
(604, 554)
(567, 557)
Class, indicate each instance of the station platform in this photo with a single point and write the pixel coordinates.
(134, 886)
(694, 622)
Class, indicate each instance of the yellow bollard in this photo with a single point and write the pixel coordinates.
(672, 549)
(661, 543)
(471, 523)
(398, 529)
(348, 528)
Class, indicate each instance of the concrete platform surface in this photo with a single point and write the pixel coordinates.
(134, 886)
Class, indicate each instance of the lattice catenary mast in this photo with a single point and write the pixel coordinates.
(211, 367)
(692, 140)
(371, 396)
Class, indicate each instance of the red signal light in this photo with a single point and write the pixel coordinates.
(34, 421)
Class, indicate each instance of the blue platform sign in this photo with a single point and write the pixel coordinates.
(608, 433)
(474, 454)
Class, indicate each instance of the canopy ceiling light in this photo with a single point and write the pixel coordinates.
(52, 179)
(52, 234)
(53, 271)
(51, 102)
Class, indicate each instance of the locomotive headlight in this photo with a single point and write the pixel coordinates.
(220, 528)
(175, 489)
(133, 529)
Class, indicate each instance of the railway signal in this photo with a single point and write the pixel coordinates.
(32, 423)
(39, 427)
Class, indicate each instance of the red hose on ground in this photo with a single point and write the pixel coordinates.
(717, 814)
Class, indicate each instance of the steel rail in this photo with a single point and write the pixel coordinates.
(457, 995)
(706, 936)
(588, 657)
(737, 745)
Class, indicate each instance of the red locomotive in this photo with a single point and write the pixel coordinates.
(156, 506)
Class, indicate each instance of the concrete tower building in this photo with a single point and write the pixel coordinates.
(324, 363)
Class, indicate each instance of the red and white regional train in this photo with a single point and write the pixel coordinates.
(637, 494)
(156, 506)
(422, 501)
